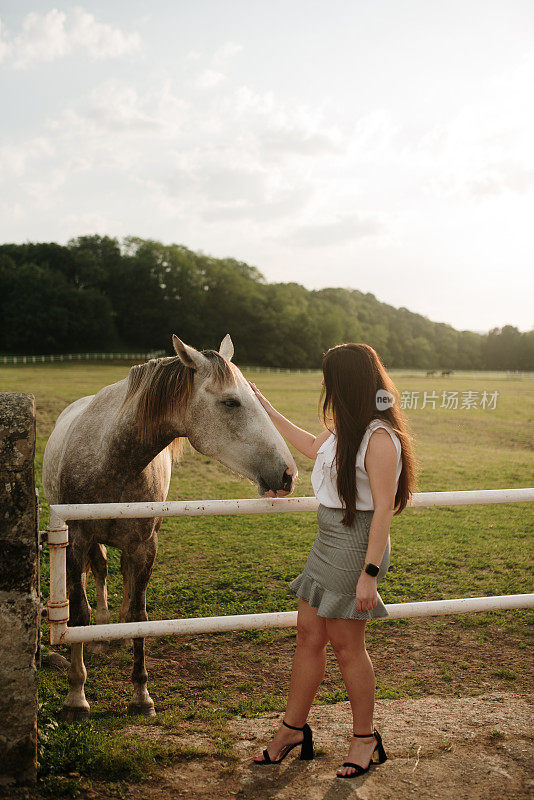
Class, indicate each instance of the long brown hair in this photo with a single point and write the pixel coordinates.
(353, 373)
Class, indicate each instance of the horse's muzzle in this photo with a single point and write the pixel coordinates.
(284, 488)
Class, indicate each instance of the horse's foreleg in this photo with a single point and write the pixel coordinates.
(140, 569)
(99, 566)
(125, 605)
(141, 702)
(75, 705)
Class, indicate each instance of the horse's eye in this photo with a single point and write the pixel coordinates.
(231, 403)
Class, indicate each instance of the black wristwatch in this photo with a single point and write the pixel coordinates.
(371, 569)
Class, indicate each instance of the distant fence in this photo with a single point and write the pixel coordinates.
(497, 375)
(282, 370)
(81, 357)
(405, 372)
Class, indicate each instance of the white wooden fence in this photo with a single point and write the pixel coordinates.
(66, 357)
(58, 536)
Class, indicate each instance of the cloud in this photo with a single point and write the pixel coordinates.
(237, 155)
(485, 148)
(115, 108)
(279, 143)
(214, 187)
(228, 50)
(88, 222)
(281, 205)
(213, 158)
(209, 179)
(498, 178)
(42, 192)
(194, 55)
(56, 34)
(345, 229)
(218, 57)
(210, 78)
(279, 129)
(16, 158)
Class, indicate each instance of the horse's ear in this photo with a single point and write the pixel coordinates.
(188, 355)
(226, 350)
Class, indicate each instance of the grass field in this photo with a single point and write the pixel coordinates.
(217, 565)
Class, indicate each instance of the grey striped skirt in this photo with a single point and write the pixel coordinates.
(328, 580)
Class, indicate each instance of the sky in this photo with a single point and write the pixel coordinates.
(380, 145)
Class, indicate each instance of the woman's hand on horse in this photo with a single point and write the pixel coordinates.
(263, 400)
(366, 593)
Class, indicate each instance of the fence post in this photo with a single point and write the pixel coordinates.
(19, 600)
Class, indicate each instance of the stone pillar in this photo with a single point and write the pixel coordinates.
(19, 601)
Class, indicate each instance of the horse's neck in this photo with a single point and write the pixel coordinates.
(126, 454)
(119, 449)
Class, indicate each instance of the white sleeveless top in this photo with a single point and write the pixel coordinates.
(324, 474)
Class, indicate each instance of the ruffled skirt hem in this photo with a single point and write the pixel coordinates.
(330, 604)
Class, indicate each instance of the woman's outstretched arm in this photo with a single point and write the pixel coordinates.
(305, 442)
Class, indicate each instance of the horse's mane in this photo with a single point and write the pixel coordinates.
(161, 386)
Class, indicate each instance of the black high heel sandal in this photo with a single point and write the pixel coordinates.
(381, 756)
(306, 747)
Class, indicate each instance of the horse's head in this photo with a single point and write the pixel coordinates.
(225, 420)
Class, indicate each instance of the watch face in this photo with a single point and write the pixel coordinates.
(372, 569)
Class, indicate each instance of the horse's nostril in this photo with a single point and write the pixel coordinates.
(287, 480)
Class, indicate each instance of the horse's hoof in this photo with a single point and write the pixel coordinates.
(73, 714)
(136, 710)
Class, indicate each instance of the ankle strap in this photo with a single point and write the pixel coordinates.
(292, 726)
(364, 735)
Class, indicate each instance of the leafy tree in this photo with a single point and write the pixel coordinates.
(43, 313)
(97, 293)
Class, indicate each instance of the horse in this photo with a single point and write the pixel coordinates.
(118, 446)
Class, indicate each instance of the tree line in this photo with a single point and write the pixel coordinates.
(96, 293)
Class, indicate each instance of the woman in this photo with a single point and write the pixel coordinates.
(364, 472)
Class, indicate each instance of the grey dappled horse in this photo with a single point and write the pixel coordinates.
(118, 445)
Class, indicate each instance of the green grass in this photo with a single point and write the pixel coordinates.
(86, 749)
(233, 565)
(230, 565)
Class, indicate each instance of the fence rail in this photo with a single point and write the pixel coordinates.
(284, 619)
(62, 357)
(408, 372)
(58, 538)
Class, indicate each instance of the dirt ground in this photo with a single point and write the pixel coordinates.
(467, 737)
(465, 748)
(417, 658)
(438, 749)
(445, 745)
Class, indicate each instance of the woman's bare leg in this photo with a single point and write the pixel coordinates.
(309, 662)
(347, 637)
